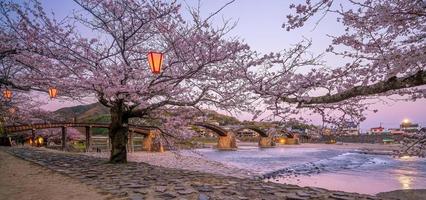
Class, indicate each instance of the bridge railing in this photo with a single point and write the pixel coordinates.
(27, 127)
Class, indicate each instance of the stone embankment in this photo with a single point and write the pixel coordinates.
(144, 181)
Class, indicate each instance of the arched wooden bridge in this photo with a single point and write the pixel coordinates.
(226, 138)
(149, 132)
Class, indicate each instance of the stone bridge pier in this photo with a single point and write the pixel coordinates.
(151, 142)
(227, 142)
(266, 142)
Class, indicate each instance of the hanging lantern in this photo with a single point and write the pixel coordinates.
(53, 92)
(7, 94)
(155, 59)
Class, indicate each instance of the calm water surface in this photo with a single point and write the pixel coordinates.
(334, 169)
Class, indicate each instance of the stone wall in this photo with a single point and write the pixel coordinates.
(360, 138)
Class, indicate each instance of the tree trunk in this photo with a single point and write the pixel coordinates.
(118, 134)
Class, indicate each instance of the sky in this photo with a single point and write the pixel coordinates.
(259, 25)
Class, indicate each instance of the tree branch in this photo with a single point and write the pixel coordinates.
(393, 83)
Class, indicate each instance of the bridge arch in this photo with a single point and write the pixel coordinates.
(217, 129)
(226, 139)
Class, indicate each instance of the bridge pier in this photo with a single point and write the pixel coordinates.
(151, 143)
(88, 138)
(266, 142)
(33, 137)
(64, 138)
(130, 147)
(227, 142)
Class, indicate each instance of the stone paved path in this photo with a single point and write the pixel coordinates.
(143, 181)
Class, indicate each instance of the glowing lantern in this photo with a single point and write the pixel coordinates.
(39, 141)
(155, 60)
(7, 94)
(53, 92)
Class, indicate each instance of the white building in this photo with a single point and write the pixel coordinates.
(351, 129)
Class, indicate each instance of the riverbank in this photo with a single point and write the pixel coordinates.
(351, 146)
(47, 183)
(144, 181)
(189, 160)
(24, 180)
(365, 148)
(359, 146)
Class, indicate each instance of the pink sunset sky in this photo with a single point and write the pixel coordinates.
(259, 25)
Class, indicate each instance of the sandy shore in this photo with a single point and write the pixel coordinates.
(177, 160)
(404, 194)
(23, 180)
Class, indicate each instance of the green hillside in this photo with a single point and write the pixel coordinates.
(90, 113)
(95, 112)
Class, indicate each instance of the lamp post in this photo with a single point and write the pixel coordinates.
(406, 121)
(155, 60)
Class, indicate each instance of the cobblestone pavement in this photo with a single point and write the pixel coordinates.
(143, 181)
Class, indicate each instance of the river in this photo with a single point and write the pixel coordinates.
(334, 169)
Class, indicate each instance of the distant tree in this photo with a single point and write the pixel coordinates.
(414, 144)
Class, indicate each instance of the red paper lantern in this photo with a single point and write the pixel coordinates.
(53, 92)
(7, 94)
(155, 60)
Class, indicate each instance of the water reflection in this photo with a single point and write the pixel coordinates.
(407, 158)
(406, 176)
(405, 181)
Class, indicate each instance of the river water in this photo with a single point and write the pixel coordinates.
(334, 169)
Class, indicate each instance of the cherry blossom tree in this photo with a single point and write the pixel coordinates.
(384, 44)
(201, 65)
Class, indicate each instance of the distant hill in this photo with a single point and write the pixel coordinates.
(222, 119)
(90, 113)
(94, 112)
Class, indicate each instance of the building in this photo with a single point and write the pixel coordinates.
(247, 133)
(396, 131)
(350, 129)
(377, 130)
(409, 127)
